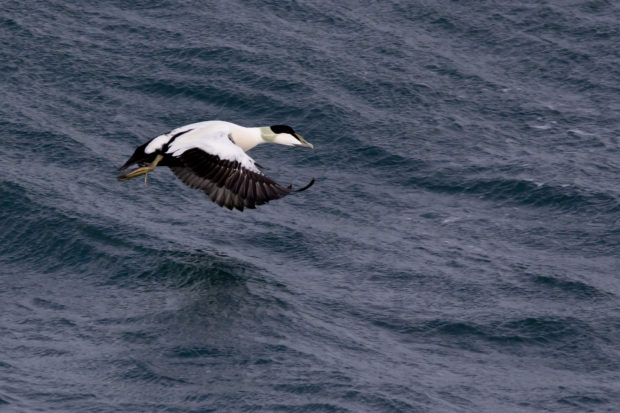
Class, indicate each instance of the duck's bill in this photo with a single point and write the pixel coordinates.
(303, 143)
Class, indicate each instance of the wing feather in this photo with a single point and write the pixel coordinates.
(226, 182)
(243, 190)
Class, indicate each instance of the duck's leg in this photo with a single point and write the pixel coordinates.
(143, 170)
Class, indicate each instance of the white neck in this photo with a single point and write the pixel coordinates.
(246, 138)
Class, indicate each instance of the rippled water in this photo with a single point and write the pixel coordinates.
(459, 251)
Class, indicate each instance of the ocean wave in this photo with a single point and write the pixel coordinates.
(136, 370)
(575, 288)
(587, 341)
(569, 198)
(48, 239)
(181, 269)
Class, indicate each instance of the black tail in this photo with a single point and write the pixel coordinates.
(138, 156)
(301, 189)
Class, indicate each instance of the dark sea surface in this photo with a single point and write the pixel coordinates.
(459, 252)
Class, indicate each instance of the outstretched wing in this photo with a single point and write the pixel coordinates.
(224, 172)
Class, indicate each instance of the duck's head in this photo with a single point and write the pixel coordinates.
(284, 135)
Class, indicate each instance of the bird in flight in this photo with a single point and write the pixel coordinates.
(210, 156)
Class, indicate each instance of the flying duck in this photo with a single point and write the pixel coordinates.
(210, 156)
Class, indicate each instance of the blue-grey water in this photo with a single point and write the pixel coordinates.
(459, 251)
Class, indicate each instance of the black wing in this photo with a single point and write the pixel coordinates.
(227, 183)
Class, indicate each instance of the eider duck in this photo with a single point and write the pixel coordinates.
(210, 156)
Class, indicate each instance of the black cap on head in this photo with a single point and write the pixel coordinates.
(282, 129)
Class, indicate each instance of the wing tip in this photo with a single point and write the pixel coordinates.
(304, 188)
